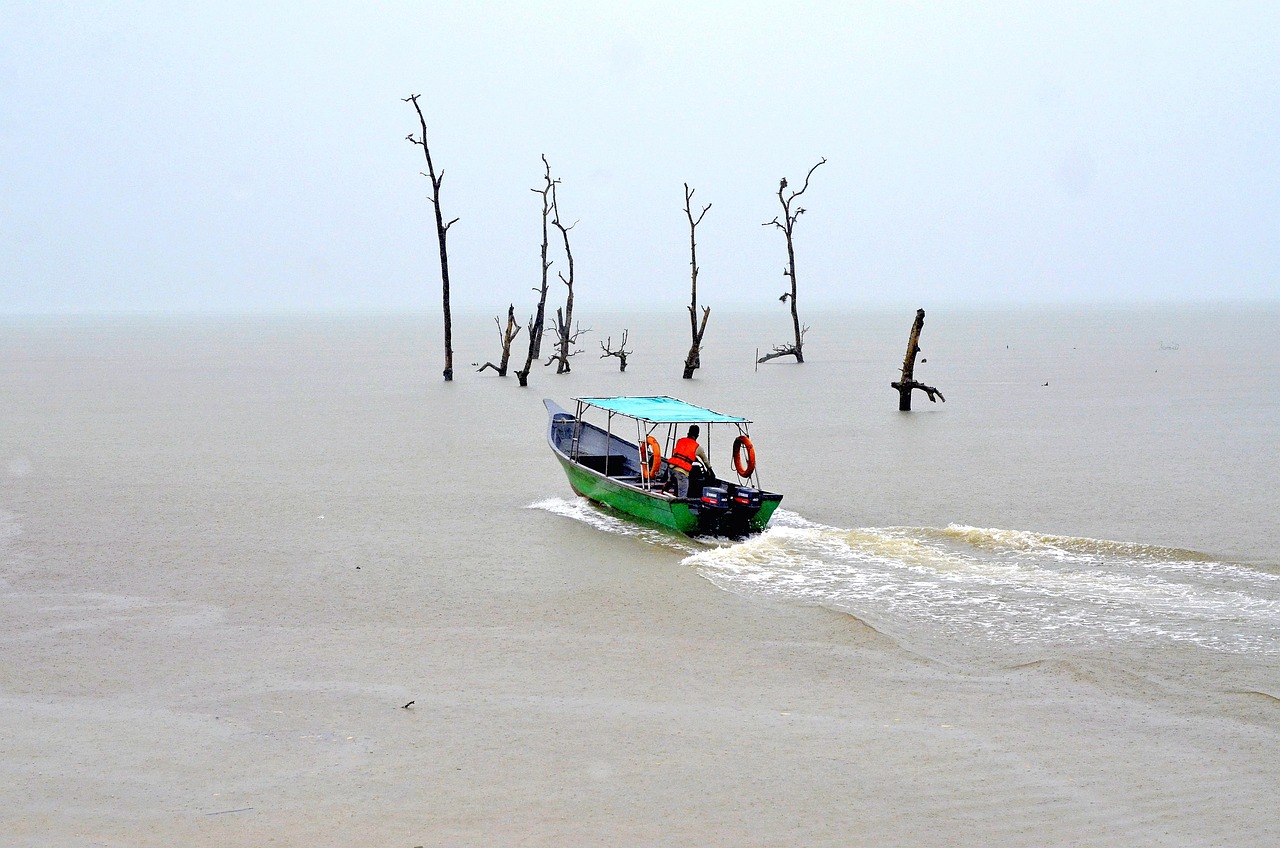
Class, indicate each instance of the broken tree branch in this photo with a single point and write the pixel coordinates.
(908, 382)
(505, 337)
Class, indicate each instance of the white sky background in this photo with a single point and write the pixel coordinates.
(191, 157)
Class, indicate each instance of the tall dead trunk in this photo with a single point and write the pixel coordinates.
(908, 380)
(788, 225)
(442, 230)
(693, 361)
(538, 321)
(505, 337)
(566, 334)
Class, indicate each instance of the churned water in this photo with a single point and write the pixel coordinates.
(968, 586)
(1097, 480)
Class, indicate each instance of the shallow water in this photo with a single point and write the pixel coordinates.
(1135, 512)
(237, 539)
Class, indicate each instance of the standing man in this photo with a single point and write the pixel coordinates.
(687, 451)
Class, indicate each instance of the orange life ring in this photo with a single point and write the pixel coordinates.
(750, 467)
(650, 458)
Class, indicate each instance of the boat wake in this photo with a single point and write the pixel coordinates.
(1004, 587)
(604, 519)
(933, 589)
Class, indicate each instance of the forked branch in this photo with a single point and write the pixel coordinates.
(621, 353)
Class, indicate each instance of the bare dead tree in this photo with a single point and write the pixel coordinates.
(566, 341)
(693, 361)
(908, 381)
(505, 337)
(788, 225)
(442, 230)
(538, 321)
(622, 353)
(566, 338)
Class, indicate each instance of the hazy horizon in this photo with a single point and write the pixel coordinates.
(245, 160)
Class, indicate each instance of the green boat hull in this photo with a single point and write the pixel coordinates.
(684, 516)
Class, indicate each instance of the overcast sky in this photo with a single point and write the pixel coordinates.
(226, 156)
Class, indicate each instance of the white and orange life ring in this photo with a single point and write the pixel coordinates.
(742, 445)
(650, 458)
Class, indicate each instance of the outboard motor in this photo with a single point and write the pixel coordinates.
(714, 512)
(716, 497)
(746, 497)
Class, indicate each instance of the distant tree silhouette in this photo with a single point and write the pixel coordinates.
(566, 338)
(693, 361)
(442, 230)
(538, 320)
(788, 225)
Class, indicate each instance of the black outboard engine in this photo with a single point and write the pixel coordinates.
(713, 510)
(715, 497)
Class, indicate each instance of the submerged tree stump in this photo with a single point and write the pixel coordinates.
(505, 337)
(621, 353)
(908, 380)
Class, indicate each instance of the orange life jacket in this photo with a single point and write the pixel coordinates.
(684, 455)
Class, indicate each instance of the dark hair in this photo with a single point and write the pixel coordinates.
(694, 431)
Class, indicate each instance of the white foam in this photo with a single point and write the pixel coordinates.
(581, 509)
(1005, 584)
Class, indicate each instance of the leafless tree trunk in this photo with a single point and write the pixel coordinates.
(693, 361)
(442, 230)
(622, 353)
(908, 381)
(787, 225)
(538, 320)
(566, 334)
(505, 337)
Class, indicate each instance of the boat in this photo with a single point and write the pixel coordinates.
(634, 478)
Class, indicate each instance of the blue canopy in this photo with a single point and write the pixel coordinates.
(661, 410)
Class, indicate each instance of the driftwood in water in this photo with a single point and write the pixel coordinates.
(539, 317)
(505, 336)
(621, 352)
(788, 225)
(693, 361)
(441, 230)
(908, 381)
